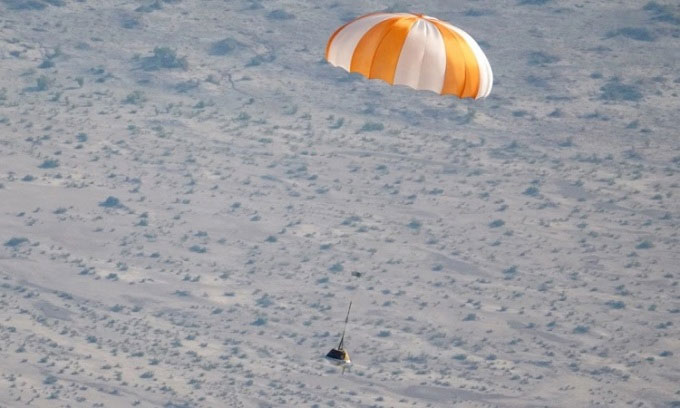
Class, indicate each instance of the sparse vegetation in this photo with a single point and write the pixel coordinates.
(614, 90)
(371, 127)
(15, 242)
(634, 33)
(164, 58)
(111, 202)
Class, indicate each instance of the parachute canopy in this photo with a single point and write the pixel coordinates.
(415, 50)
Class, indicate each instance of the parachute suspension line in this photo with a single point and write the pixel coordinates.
(342, 338)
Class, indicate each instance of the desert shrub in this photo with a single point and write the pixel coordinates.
(134, 98)
(111, 202)
(49, 164)
(475, 13)
(42, 83)
(164, 58)
(264, 301)
(496, 223)
(260, 59)
(129, 22)
(634, 33)
(280, 14)
(198, 249)
(336, 267)
(148, 8)
(224, 47)
(414, 224)
(615, 304)
(15, 242)
(46, 64)
(531, 191)
(646, 244)
(371, 127)
(542, 58)
(614, 90)
(186, 86)
(25, 4)
(510, 272)
(662, 12)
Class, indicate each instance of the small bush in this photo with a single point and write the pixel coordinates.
(49, 164)
(614, 90)
(24, 4)
(496, 223)
(634, 33)
(134, 98)
(198, 249)
(414, 224)
(510, 272)
(475, 13)
(336, 267)
(616, 304)
(148, 8)
(531, 191)
(164, 58)
(261, 59)
(541, 58)
(111, 202)
(646, 244)
(663, 12)
(371, 127)
(46, 64)
(224, 47)
(15, 242)
(280, 14)
(129, 22)
(42, 83)
(264, 301)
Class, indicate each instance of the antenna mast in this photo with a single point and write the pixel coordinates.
(342, 339)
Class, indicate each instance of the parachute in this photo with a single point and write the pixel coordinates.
(415, 50)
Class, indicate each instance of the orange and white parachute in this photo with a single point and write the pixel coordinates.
(415, 50)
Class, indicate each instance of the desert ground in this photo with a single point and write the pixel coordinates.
(190, 196)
